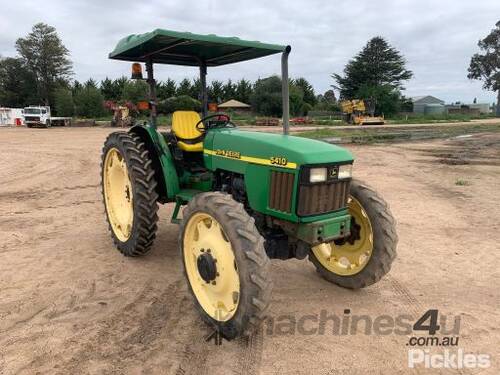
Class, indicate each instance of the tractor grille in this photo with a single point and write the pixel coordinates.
(31, 118)
(321, 198)
(281, 191)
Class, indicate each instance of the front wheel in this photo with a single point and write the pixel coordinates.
(225, 264)
(366, 255)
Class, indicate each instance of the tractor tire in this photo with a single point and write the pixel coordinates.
(372, 253)
(225, 264)
(129, 193)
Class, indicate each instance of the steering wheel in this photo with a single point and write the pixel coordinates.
(222, 119)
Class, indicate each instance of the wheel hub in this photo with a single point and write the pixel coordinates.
(207, 267)
(211, 266)
(350, 255)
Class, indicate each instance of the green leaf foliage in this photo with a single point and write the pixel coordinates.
(377, 64)
(47, 59)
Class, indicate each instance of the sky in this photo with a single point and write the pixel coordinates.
(437, 38)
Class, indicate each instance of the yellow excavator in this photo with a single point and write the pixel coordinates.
(360, 112)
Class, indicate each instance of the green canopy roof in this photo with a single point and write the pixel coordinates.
(172, 47)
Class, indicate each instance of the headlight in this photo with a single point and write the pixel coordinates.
(317, 174)
(345, 171)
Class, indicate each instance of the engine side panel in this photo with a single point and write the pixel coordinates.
(270, 164)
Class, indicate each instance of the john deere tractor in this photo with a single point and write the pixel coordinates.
(247, 196)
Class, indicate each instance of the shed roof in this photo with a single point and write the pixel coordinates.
(184, 48)
(426, 99)
(233, 104)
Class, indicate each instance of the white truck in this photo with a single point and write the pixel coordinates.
(40, 116)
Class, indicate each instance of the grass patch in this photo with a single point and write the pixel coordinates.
(414, 118)
(367, 135)
(461, 182)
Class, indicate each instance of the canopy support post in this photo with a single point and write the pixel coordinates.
(151, 92)
(203, 89)
(285, 90)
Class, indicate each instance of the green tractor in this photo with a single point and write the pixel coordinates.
(248, 196)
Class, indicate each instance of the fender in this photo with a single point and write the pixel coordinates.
(163, 163)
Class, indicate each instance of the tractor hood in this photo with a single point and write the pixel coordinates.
(275, 148)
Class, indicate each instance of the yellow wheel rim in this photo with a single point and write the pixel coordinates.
(218, 289)
(349, 257)
(118, 194)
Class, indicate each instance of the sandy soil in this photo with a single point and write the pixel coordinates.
(70, 303)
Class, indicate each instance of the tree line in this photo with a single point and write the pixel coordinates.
(42, 74)
(90, 98)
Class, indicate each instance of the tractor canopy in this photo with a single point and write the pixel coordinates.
(184, 48)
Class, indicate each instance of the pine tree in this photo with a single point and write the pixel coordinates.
(307, 90)
(378, 64)
(167, 89)
(109, 90)
(63, 102)
(228, 91)
(47, 59)
(243, 91)
(215, 91)
(184, 87)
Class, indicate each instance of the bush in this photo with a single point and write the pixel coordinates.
(63, 103)
(89, 102)
(326, 106)
(296, 99)
(306, 108)
(266, 97)
(267, 100)
(179, 103)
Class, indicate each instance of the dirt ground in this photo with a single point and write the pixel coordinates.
(70, 303)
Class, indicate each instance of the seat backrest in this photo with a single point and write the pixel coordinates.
(184, 124)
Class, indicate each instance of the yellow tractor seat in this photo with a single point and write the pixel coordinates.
(188, 137)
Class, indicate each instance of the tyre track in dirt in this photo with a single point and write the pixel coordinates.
(413, 306)
(36, 193)
(194, 356)
(241, 356)
(122, 337)
(250, 360)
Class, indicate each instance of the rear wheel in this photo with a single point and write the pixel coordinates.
(128, 187)
(366, 255)
(225, 264)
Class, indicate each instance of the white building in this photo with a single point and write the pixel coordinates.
(11, 116)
